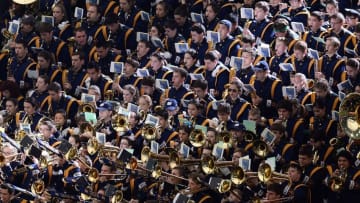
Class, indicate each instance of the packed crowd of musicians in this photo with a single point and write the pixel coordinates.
(54, 148)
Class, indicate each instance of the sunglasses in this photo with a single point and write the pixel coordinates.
(233, 90)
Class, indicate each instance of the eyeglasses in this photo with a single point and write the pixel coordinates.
(233, 90)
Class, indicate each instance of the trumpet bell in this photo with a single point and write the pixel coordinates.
(118, 197)
(87, 107)
(71, 154)
(174, 160)
(225, 137)
(156, 173)
(93, 175)
(197, 138)
(264, 173)
(149, 132)
(38, 187)
(208, 165)
(225, 186)
(260, 148)
(349, 111)
(92, 146)
(19, 135)
(238, 176)
(119, 123)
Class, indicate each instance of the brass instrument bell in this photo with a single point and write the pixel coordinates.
(86, 127)
(197, 138)
(117, 197)
(264, 172)
(119, 123)
(87, 107)
(260, 148)
(349, 115)
(38, 187)
(149, 132)
(109, 95)
(92, 146)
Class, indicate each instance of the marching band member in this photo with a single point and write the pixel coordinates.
(96, 77)
(19, 65)
(10, 89)
(48, 131)
(148, 88)
(158, 69)
(76, 74)
(323, 91)
(80, 44)
(331, 66)
(228, 46)
(261, 26)
(30, 115)
(281, 54)
(27, 32)
(172, 36)
(9, 119)
(303, 95)
(143, 53)
(190, 64)
(173, 109)
(40, 94)
(104, 121)
(199, 42)
(58, 100)
(45, 66)
(216, 74)
(178, 91)
(347, 39)
(63, 28)
(240, 107)
(246, 72)
(268, 90)
(321, 122)
(316, 20)
(295, 186)
(313, 175)
(130, 95)
(352, 72)
(53, 44)
(129, 15)
(128, 77)
(345, 172)
(167, 134)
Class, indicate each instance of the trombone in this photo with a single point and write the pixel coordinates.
(260, 148)
(265, 174)
(146, 154)
(150, 132)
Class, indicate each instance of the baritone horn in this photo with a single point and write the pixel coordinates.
(349, 114)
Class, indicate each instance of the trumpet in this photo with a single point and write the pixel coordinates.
(143, 116)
